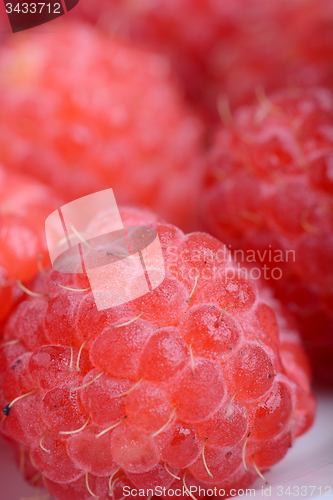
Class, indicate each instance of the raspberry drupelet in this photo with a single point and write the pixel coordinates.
(83, 112)
(194, 383)
(24, 206)
(269, 189)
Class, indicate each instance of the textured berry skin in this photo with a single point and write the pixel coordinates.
(250, 398)
(24, 206)
(218, 46)
(115, 118)
(269, 187)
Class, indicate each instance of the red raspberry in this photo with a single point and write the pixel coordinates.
(229, 392)
(219, 46)
(4, 23)
(114, 116)
(269, 190)
(24, 206)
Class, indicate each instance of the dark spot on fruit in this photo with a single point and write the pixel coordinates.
(229, 453)
(6, 410)
(16, 363)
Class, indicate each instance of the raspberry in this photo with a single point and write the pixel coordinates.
(124, 351)
(226, 427)
(101, 397)
(4, 22)
(222, 47)
(148, 407)
(209, 336)
(26, 424)
(55, 462)
(164, 355)
(91, 454)
(266, 193)
(24, 206)
(144, 402)
(62, 409)
(273, 412)
(180, 445)
(6, 297)
(58, 360)
(102, 113)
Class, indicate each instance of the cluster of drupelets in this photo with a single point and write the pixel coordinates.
(194, 384)
(273, 170)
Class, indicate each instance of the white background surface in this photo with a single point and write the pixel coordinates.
(308, 463)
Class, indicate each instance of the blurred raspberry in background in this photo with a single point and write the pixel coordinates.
(268, 189)
(83, 112)
(222, 46)
(24, 206)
